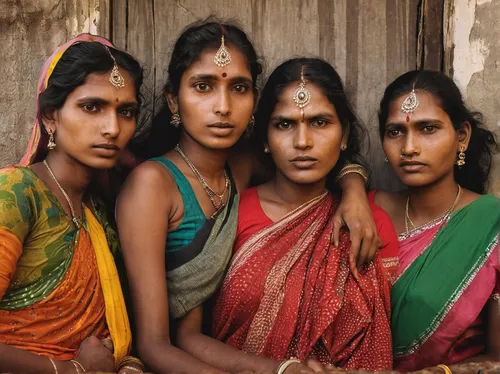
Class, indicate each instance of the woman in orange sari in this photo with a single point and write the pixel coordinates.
(288, 293)
(60, 295)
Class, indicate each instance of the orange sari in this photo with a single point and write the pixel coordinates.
(56, 325)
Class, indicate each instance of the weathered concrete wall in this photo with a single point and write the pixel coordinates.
(472, 57)
(30, 30)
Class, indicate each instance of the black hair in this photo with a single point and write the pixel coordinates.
(323, 75)
(193, 41)
(70, 72)
(474, 174)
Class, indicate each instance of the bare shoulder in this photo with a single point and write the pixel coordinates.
(150, 182)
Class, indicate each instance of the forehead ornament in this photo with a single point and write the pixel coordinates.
(302, 96)
(410, 103)
(222, 58)
(115, 78)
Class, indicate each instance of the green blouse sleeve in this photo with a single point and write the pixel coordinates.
(16, 201)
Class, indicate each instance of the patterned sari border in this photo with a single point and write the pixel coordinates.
(471, 274)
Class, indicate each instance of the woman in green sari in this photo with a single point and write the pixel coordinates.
(445, 301)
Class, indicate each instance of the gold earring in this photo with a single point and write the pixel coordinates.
(250, 125)
(343, 147)
(175, 120)
(51, 144)
(461, 157)
(266, 149)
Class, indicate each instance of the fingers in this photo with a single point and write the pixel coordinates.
(354, 252)
(337, 225)
(108, 343)
(315, 366)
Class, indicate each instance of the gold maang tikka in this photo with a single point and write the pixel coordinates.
(222, 57)
(410, 103)
(115, 78)
(302, 96)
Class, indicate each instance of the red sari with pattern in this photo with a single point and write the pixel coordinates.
(289, 291)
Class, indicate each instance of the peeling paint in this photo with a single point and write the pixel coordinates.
(469, 54)
(481, 2)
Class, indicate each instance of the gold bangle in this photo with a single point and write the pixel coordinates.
(54, 365)
(131, 368)
(352, 168)
(285, 364)
(130, 359)
(76, 364)
(446, 369)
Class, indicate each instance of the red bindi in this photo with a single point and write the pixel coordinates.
(224, 75)
(407, 118)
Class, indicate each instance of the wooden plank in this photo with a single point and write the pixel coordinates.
(432, 47)
(119, 28)
(141, 43)
(31, 30)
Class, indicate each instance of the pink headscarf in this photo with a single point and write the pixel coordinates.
(38, 141)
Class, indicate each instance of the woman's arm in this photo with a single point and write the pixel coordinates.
(355, 213)
(143, 210)
(14, 360)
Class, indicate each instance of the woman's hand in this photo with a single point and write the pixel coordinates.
(96, 355)
(355, 213)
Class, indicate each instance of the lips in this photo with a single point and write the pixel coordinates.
(303, 162)
(221, 129)
(412, 166)
(107, 146)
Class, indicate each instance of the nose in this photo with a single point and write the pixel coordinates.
(411, 145)
(303, 137)
(111, 126)
(223, 103)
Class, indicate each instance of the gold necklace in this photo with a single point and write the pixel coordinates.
(445, 214)
(74, 218)
(209, 191)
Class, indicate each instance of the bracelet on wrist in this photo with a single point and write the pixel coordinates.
(285, 364)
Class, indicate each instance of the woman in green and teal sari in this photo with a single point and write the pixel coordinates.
(445, 302)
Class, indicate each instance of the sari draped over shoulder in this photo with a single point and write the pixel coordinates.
(289, 293)
(448, 271)
(199, 251)
(58, 285)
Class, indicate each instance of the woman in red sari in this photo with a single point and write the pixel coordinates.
(289, 292)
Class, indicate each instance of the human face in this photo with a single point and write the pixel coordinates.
(423, 150)
(215, 104)
(305, 148)
(96, 121)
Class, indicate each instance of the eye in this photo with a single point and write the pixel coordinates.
(320, 123)
(392, 133)
(129, 113)
(429, 129)
(202, 87)
(240, 88)
(91, 108)
(283, 125)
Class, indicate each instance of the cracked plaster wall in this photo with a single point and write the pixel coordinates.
(474, 60)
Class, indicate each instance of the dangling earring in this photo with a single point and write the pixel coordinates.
(250, 125)
(51, 144)
(266, 149)
(175, 120)
(461, 157)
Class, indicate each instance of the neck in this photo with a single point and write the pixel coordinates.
(73, 176)
(209, 162)
(294, 194)
(428, 202)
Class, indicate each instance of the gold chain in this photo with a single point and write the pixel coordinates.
(210, 192)
(75, 220)
(445, 214)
